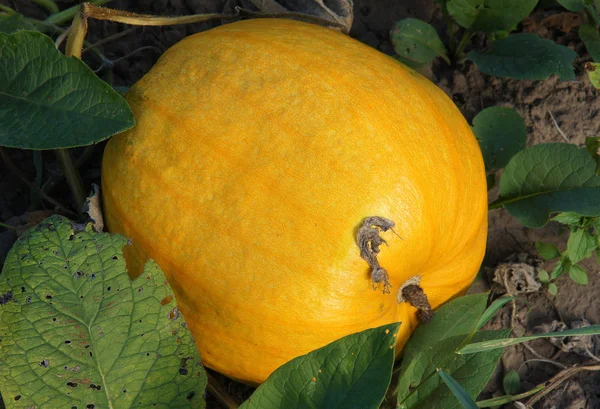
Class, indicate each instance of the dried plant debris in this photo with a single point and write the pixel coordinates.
(519, 274)
(586, 346)
(337, 11)
(93, 207)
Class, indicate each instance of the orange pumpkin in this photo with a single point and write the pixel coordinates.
(260, 148)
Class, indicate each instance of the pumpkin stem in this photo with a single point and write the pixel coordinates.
(412, 293)
(369, 240)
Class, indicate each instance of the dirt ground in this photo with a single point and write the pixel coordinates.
(554, 111)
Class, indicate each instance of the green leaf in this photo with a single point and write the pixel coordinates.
(578, 275)
(417, 41)
(353, 372)
(420, 390)
(11, 22)
(49, 101)
(543, 276)
(526, 56)
(461, 395)
(433, 346)
(547, 251)
(568, 218)
(590, 37)
(501, 133)
(581, 245)
(490, 15)
(552, 289)
(457, 317)
(76, 331)
(558, 270)
(593, 71)
(492, 309)
(549, 178)
(481, 346)
(572, 5)
(592, 144)
(511, 382)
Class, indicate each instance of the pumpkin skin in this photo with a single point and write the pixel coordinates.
(259, 148)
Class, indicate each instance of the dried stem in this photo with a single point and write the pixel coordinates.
(216, 389)
(7, 226)
(558, 379)
(68, 14)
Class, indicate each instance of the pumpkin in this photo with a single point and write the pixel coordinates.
(292, 183)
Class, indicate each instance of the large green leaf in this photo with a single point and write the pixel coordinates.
(548, 178)
(353, 372)
(490, 15)
(526, 56)
(590, 37)
(49, 101)
(11, 22)
(433, 346)
(473, 373)
(501, 133)
(75, 331)
(417, 42)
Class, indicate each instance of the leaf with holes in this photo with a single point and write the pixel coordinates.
(76, 331)
(490, 15)
(501, 133)
(417, 42)
(526, 56)
(50, 101)
(352, 372)
(549, 178)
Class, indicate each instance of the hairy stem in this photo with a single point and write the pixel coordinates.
(463, 42)
(49, 5)
(449, 27)
(73, 178)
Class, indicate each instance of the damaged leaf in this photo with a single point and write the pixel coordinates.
(79, 333)
(417, 42)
